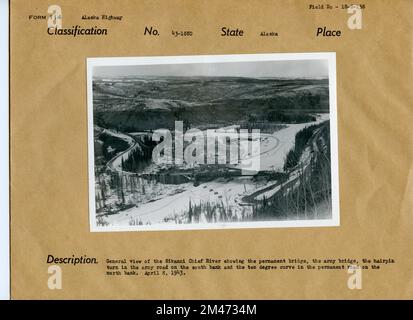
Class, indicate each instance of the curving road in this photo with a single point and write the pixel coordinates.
(114, 164)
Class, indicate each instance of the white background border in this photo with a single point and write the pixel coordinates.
(4, 154)
(130, 61)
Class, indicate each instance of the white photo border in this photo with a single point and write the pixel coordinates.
(158, 60)
(4, 158)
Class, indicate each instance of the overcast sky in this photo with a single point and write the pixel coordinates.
(256, 69)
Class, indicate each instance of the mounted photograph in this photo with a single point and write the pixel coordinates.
(212, 142)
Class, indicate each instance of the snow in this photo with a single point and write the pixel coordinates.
(269, 193)
(169, 203)
(269, 155)
(120, 135)
(217, 191)
(273, 156)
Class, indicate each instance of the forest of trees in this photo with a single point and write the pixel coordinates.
(300, 198)
(140, 157)
(312, 188)
(300, 142)
(126, 188)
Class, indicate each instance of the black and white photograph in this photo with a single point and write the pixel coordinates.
(212, 142)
